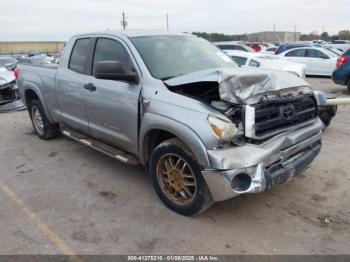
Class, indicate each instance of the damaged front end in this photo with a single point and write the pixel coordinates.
(261, 104)
(276, 115)
(9, 97)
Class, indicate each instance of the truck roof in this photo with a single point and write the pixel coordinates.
(133, 33)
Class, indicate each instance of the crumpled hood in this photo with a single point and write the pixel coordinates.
(6, 77)
(245, 86)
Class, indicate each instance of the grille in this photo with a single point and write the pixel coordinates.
(270, 117)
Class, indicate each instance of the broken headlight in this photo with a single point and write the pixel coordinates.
(223, 130)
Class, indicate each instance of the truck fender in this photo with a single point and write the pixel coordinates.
(37, 91)
(151, 122)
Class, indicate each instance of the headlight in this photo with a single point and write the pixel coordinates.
(223, 130)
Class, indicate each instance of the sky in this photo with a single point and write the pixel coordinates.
(26, 20)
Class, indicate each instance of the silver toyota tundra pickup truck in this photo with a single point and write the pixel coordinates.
(205, 129)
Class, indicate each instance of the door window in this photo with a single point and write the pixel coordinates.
(254, 63)
(239, 60)
(316, 54)
(297, 53)
(78, 57)
(231, 47)
(111, 50)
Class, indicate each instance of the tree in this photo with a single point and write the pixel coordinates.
(325, 36)
(217, 37)
(344, 34)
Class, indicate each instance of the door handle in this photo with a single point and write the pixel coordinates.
(90, 87)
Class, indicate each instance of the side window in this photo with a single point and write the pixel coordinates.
(228, 47)
(254, 63)
(296, 53)
(239, 60)
(78, 57)
(221, 47)
(347, 53)
(316, 54)
(240, 48)
(111, 50)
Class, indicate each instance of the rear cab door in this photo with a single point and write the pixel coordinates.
(70, 80)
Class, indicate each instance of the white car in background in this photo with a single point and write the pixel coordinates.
(342, 45)
(266, 61)
(232, 45)
(318, 61)
(269, 50)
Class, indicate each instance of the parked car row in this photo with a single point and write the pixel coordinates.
(9, 72)
(266, 61)
(319, 59)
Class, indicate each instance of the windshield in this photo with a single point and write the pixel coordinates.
(333, 50)
(170, 56)
(3, 68)
(330, 53)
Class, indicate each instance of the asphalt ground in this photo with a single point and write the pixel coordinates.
(60, 197)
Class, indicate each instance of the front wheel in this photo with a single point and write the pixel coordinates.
(177, 179)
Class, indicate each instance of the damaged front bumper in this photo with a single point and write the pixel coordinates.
(9, 98)
(254, 168)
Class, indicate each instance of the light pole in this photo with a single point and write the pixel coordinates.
(123, 22)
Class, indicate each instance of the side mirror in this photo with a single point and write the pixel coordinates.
(114, 70)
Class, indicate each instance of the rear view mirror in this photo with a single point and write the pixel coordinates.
(114, 70)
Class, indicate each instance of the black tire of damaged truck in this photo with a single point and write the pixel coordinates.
(46, 130)
(171, 168)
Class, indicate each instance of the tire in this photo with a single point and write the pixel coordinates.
(41, 124)
(328, 114)
(168, 184)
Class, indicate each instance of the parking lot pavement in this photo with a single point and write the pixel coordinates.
(77, 200)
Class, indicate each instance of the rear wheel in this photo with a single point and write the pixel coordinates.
(42, 126)
(177, 179)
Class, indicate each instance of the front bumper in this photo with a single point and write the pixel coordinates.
(270, 163)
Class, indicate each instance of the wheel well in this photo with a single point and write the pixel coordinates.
(153, 139)
(30, 95)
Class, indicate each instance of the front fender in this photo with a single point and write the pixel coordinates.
(152, 121)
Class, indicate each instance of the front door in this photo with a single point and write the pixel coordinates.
(113, 106)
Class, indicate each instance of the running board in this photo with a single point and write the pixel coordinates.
(101, 147)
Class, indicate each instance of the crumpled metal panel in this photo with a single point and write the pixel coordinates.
(12, 106)
(245, 86)
(6, 77)
(9, 104)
